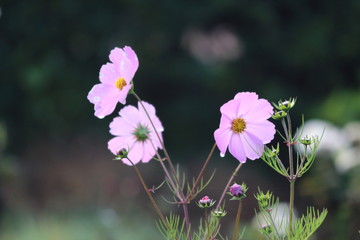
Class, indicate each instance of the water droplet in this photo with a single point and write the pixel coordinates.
(222, 154)
(96, 99)
(101, 117)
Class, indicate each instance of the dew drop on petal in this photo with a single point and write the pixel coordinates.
(222, 154)
(101, 117)
(96, 99)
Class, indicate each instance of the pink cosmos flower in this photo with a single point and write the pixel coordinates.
(134, 132)
(244, 127)
(115, 78)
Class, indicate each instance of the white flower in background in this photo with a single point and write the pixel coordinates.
(349, 157)
(280, 215)
(332, 138)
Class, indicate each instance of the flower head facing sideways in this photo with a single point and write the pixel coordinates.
(133, 131)
(244, 127)
(116, 81)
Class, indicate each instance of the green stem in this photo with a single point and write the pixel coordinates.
(227, 185)
(207, 224)
(179, 190)
(237, 221)
(273, 223)
(291, 207)
(292, 176)
(189, 196)
(152, 200)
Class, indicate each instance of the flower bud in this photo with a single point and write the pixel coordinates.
(266, 229)
(219, 213)
(272, 152)
(285, 105)
(121, 154)
(237, 191)
(205, 202)
(278, 115)
(264, 200)
(306, 141)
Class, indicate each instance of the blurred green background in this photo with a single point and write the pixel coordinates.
(57, 178)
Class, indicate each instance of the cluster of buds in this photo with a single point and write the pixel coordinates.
(283, 107)
(272, 152)
(237, 191)
(205, 202)
(264, 200)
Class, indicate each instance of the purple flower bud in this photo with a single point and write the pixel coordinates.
(236, 190)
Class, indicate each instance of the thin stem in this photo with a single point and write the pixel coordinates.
(189, 196)
(179, 190)
(227, 185)
(157, 134)
(207, 224)
(273, 223)
(237, 221)
(167, 174)
(291, 206)
(152, 200)
(291, 166)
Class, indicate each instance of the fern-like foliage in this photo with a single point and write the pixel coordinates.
(305, 226)
(173, 228)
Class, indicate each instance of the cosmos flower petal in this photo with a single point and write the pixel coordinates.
(148, 151)
(118, 143)
(236, 148)
(261, 110)
(119, 126)
(136, 152)
(124, 66)
(225, 122)
(131, 115)
(228, 109)
(252, 145)
(246, 101)
(222, 138)
(123, 94)
(107, 74)
(104, 98)
(134, 62)
(264, 130)
(150, 109)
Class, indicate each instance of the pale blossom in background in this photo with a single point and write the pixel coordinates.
(116, 81)
(134, 132)
(244, 127)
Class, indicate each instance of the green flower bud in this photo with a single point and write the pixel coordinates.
(306, 141)
(264, 200)
(123, 153)
(219, 213)
(272, 152)
(285, 105)
(278, 115)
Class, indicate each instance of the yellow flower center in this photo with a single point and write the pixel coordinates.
(238, 125)
(120, 83)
